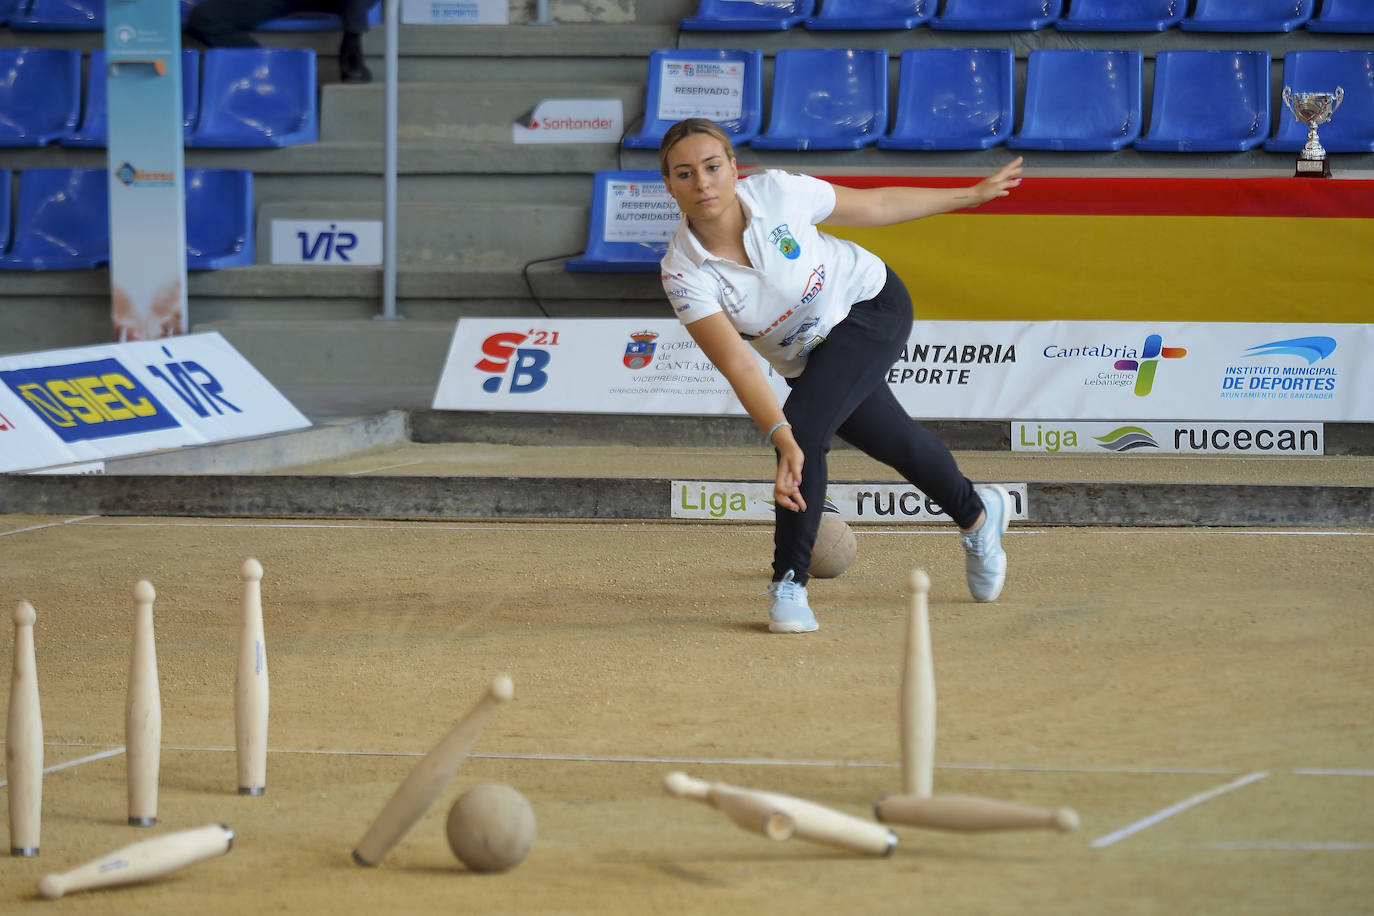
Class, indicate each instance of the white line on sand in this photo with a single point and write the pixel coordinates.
(1170, 811)
(1285, 847)
(66, 764)
(650, 525)
(68, 521)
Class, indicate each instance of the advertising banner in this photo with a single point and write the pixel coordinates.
(455, 12)
(145, 158)
(327, 243)
(583, 365)
(742, 500)
(1054, 370)
(83, 404)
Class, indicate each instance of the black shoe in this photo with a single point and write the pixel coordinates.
(352, 69)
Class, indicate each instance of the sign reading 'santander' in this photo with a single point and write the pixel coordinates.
(572, 121)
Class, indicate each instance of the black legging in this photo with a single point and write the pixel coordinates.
(227, 23)
(843, 392)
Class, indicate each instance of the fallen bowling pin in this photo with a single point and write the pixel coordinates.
(969, 814)
(811, 821)
(743, 807)
(141, 861)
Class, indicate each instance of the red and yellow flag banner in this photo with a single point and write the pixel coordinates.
(1138, 249)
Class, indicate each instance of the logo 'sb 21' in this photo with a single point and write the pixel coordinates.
(505, 358)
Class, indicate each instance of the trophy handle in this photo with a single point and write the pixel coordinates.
(1336, 98)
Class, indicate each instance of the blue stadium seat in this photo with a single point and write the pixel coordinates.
(614, 255)
(1247, 15)
(1351, 130)
(826, 98)
(997, 15)
(59, 16)
(40, 95)
(5, 182)
(7, 10)
(1081, 100)
(741, 118)
(1350, 16)
(219, 218)
(95, 123)
(1122, 15)
(61, 220)
(1208, 101)
(256, 97)
(872, 14)
(314, 22)
(748, 15)
(953, 98)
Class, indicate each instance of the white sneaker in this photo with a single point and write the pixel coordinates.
(790, 612)
(985, 562)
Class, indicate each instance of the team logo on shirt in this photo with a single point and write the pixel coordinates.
(781, 236)
(814, 284)
(801, 329)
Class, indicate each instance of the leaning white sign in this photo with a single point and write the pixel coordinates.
(571, 121)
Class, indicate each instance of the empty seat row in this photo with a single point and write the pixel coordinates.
(89, 15)
(240, 97)
(1021, 15)
(963, 98)
(62, 219)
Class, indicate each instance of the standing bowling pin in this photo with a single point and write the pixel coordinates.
(24, 740)
(918, 693)
(250, 687)
(140, 861)
(143, 713)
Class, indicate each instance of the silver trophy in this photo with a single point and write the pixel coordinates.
(1312, 109)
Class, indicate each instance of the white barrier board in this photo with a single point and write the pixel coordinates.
(87, 404)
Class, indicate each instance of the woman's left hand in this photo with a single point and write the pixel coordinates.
(1000, 182)
(787, 486)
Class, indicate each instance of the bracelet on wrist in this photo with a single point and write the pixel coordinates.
(775, 427)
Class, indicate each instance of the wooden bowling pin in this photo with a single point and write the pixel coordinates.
(970, 814)
(744, 808)
(918, 693)
(143, 713)
(811, 821)
(150, 858)
(24, 740)
(250, 687)
(414, 796)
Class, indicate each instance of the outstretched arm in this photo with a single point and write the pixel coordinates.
(891, 205)
(729, 353)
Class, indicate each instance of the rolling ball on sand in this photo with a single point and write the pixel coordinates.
(491, 827)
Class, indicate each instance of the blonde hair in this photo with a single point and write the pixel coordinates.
(686, 128)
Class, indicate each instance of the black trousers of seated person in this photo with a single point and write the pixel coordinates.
(229, 23)
(843, 392)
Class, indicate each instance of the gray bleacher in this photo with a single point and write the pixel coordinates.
(475, 209)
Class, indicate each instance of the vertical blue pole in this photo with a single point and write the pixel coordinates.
(146, 165)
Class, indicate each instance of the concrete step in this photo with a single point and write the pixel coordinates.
(485, 236)
(469, 111)
(358, 353)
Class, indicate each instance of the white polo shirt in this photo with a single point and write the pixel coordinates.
(803, 283)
